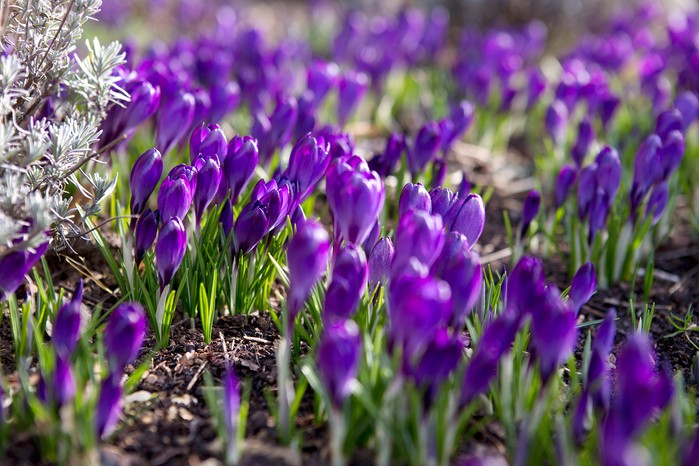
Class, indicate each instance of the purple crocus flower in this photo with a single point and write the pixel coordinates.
(441, 201)
(207, 141)
(241, 160)
(424, 148)
(14, 266)
(586, 134)
(124, 335)
(66, 326)
(640, 391)
(145, 233)
(268, 207)
(530, 210)
(307, 256)
(355, 197)
(225, 98)
(671, 154)
(109, 405)
(467, 216)
(145, 100)
(321, 77)
(440, 359)
(170, 249)
(209, 175)
(564, 182)
(282, 121)
(144, 177)
(174, 116)
(659, 197)
(417, 308)
(583, 286)
(63, 387)
(379, 261)
(308, 163)
(419, 238)
(525, 286)
(349, 281)
(687, 104)
(414, 197)
(645, 169)
(338, 359)
(461, 269)
(452, 128)
(557, 121)
(176, 192)
(385, 164)
(351, 89)
(536, 85)
(226, 217)
(669, 120)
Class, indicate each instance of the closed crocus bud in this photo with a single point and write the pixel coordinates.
(253, 223)
(283, 121)
(174, 198)
(170, 249)
(372, 238)
(417, 308)
(456, 125)
(66, 327)
(687, 104)
(145, 100)
(351, 89)
(525, 286)
(225, 98)
(599, 385)
(308, 163)
(645, 168)
(124, 335)
(608, 173)
(583, 286)
(553, 332)
(385, 164)
(587, 189)
(226, 217)
(355, 197)
(144, 177)
(586, 134)
(380, 259)
(564, 182)
(145, 233)
(207, 141)
(63, 381)
(557, 121)
(441, 200)
(307, 256)
(671, 154)
(657, 202)
(424, 148)
(669, 120)
(320, 79)
(109, 405)
(414, 197)
(208, 178)
(440, 360)
(338, 359)
(530, 210)
(14, 266)
(461, 269)
(536, 85)
(174, 116)
(349, 280)
(467, 216)
(465, 185)
(240, 164)
(419, 236)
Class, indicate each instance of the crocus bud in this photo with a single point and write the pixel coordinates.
(419, 236)
(14, 266)
(564, 181)
(586, 134)
(144, 177)
(456, 125)
(645, 169)
(175, 196)
(536, 85)
(525, 286)
(225, 97)
(671, 154)
(208, 178)
(338, 359)
(441, 200)
(170, 249)
(599, 385)
(351, 90)
(109, 405)
(687, 104)
(414, 197)
(66, 327)
(380, 259)
(240, 164)
(465, 185)
(283, 120)
(608, 173)
(320, 79)
(669, 120)
(557, 121)
(530, 210)
(124, 335)
(145, 233)
(226, 217)
(355, 197)
(63, 381)
(348, 283)
(440, 359)
(145, 100)
(207, 141)
(174, 117)
(372, 238)
(385, 164)
(424, 148)
(583, 286)
(467, 216)
(307, 256)
(657, 202)
(307, 165)
(253, 222)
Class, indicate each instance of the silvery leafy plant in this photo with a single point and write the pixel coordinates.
(51, 106)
